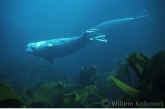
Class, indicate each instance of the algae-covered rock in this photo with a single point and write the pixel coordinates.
(73, 98)
(89, 75)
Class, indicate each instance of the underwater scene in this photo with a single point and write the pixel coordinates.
(82, 53)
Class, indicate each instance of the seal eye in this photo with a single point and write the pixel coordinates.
(32, 48)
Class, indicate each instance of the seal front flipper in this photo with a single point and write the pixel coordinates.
(49, 59)
(50, 47)
(93, 35)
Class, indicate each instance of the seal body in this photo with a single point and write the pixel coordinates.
(57, 48)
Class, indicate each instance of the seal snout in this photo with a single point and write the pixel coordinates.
(30, 48)
(28, 51)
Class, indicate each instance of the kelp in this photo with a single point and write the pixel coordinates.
(150, 86)
(76, 97)
(85, 103)
(138, 95)
(48, 95)
(132, 61)
(9, 99)
(134, 93)
(111, 73)
(44, 96)
(112, 83)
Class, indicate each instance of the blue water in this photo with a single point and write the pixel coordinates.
(25, 21)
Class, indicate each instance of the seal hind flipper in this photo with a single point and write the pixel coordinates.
(144, 15)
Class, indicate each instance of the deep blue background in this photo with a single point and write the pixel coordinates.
(25, 21)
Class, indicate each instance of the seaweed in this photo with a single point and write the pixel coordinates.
(8, 98)
(150, 86)
(78, 98)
